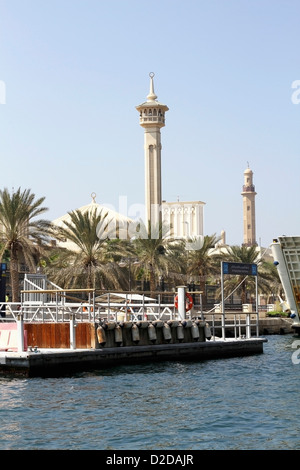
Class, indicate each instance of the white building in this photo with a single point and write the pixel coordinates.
(185, 219)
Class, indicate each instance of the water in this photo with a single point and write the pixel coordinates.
(239, 403)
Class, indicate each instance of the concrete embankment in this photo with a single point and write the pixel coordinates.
(275, 326)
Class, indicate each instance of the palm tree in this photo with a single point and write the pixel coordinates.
(157, 254)
(269, 281)
(204, 261)
(248, 255)
(89, 262)
(22, 237)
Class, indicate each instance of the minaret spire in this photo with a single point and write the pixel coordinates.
(249, 194)
(152, 96)
(152, 119)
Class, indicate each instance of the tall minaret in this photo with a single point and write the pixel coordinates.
(249, 208)
(152, 118)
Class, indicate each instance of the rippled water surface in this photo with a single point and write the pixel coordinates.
(239, 403)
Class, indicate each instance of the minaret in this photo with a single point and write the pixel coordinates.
(249, 208)
(152, 118)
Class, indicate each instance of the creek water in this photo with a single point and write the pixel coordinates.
(242, 403)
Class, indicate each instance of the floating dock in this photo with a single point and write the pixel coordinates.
(61, 362)
(45, 337)
(114, 345)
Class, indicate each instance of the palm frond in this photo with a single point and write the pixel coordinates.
(22, 234)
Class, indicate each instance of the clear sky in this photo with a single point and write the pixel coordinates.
(72, 72)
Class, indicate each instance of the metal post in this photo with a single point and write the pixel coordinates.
(63, 301)
(20, 332)
(126, 306)
(94, 310)
(89, 307)
(159, 306)
(143, 307)
(72, 331)
(181, 302)
(56, 303)
(223, 302)
(108, 306)
(22, 300)
(248, 327)
(256, 295)
(201, 307)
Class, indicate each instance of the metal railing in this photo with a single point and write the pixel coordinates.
(85, 311)
(240, 325)
(73, 314)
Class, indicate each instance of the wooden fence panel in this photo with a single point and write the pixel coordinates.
(57, 335)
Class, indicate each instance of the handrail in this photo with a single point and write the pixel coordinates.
(59, 311)
(49, 291)
(236, 325)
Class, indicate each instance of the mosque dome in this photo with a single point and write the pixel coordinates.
(117, 222)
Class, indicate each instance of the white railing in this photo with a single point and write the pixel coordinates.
(9, 311)
(65, 308)
(85, 312)
(242, 324)
(137, 312)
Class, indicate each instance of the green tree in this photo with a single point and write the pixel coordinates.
(249, 255)
(89, 262)
(157, 253)
(22, 236)
(204, 261)
(272, 280)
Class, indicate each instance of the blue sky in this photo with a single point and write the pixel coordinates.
(74, 70)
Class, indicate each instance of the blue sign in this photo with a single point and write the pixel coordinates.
(241, 269)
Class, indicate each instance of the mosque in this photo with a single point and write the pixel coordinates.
(182, 219)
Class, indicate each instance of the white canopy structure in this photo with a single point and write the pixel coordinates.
(116, 297)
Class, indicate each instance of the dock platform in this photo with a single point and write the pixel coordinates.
(45, 335)
(62, 362)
